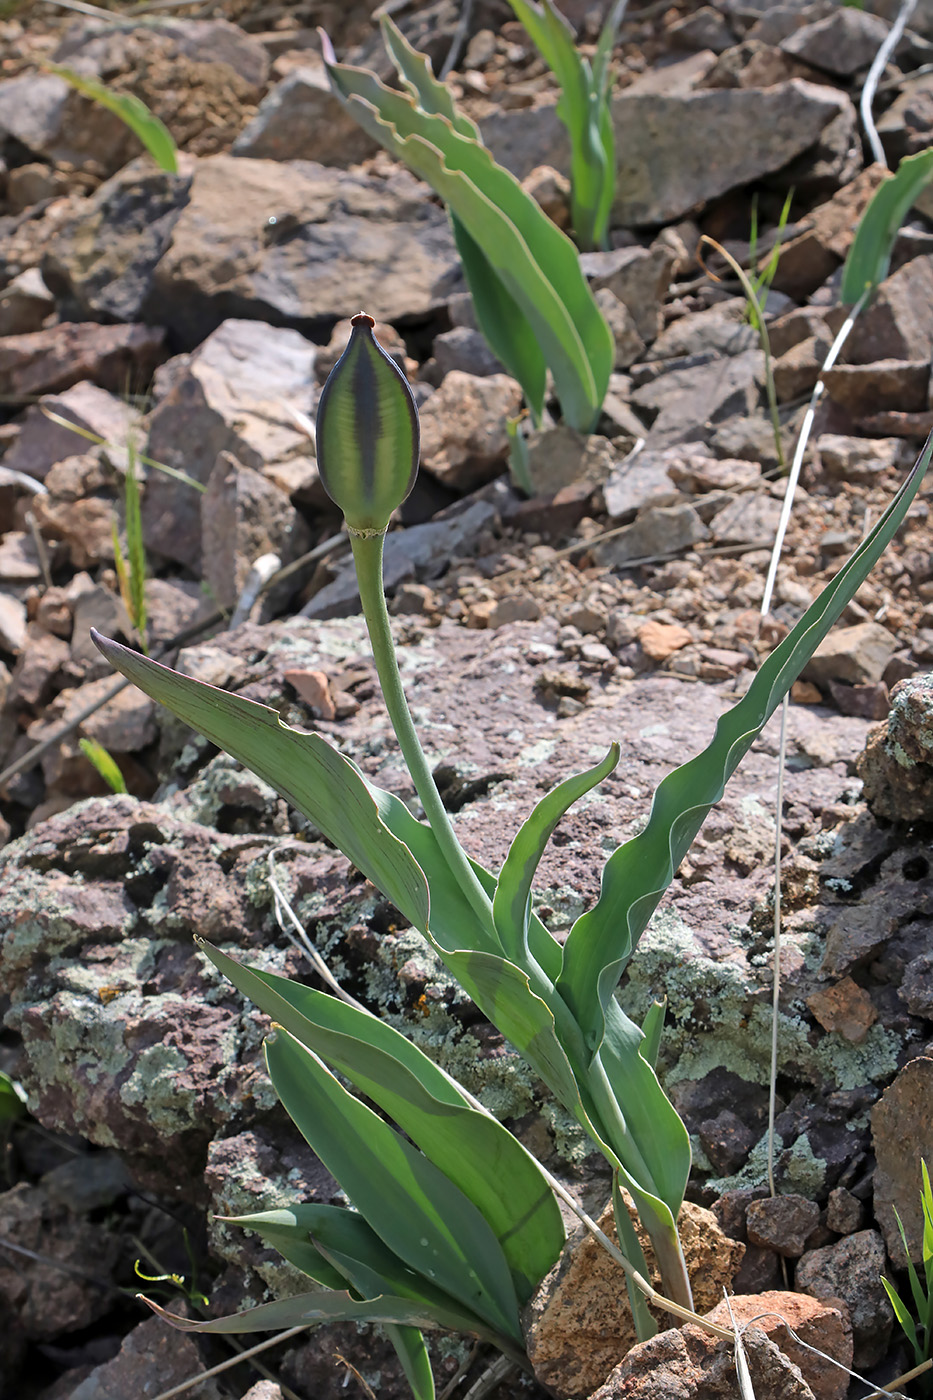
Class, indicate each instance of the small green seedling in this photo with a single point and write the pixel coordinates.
(584, 108)
(105, 764)
(131, 568)
(918, 1328)
(531, 299)
(152, 132)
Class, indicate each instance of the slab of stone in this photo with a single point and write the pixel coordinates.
(690, 402)
(638, 277)
(856, 459)
(821, 1327)
(231, 395)
(45, 114)
(394, 249)
(302, 119)
(659, 530)
(893, 326)
(692, 1364)
(100, 264)
(884, 386)
(25, 303)
(902, 1134)
(151, 1355)
(119, 358)
(752, 518)
(642, 481)
(845, 1008)
(722, 328)
(244, 516)
(782, 1223)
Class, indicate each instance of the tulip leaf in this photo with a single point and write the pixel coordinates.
(311, 1308)
(511, 905)
(408, 1201)
(131, 110)
(636, 875)
(474, 1151)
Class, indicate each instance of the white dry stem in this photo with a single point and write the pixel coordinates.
(258, 579)
(806, 428)
(874, 75)
(892, 1387)
(746, 1389)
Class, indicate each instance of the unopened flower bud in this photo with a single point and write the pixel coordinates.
(368, 434)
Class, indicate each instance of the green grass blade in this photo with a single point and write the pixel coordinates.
(105, 764)
(289, 1230)
(637, 874)
(135, 549)
(418, 1213)
(870, 254)
(629, 1243)
(302, 767)
(652, 1028)
(475, 1152)
(153, 133)
(502, 321)
(904, 1318)
(513, 888)
(414, 1359)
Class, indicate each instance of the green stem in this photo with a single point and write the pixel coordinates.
(367, 557)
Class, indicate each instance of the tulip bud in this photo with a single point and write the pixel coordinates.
(368, 434)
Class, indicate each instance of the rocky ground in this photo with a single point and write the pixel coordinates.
(194, 316)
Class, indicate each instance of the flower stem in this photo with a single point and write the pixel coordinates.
(367, 557)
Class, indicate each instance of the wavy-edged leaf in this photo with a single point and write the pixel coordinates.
(301, 766)
(312, 1308)
(904, 1318)
(870, 254)
(408, 1201)
(153, 133)
(474, 1151)
(637, 874)
(416, 73)
(535, 261)
(513, 888)
(652, 1028)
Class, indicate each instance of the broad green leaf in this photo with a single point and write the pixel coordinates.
(502, 321)
(511, 905)
(153, 133)
(530, 255)
(870, 254)
(637, 874)
(475, 1152)
(302, 767)
(289, 1230)
(413, 1355)
(408, 1201)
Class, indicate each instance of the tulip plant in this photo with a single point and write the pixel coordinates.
(455, 1227)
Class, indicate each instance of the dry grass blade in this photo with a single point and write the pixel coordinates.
(230, 1362)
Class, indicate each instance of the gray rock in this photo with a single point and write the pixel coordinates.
(231, 395)
(302, 119)
(659, 530)
(706, 29)
(751, 518)
(916, 989)
(844, 1212)
(856, 654)
(419, 551)
(93, 46)
(42, 443)
(244, 516)
(12, 621)
(902, 1135)
(395, 250)
(721, 328)
(851, 1270)
(465, 349)
(841, 44)
(47, 116)
(896, 767)
(886, 385)
(100, 266)
(782, 1223)
(690, 402)
(856, 459)
(559, 458)
(643, 481)
(151, 1355)
(629, 345)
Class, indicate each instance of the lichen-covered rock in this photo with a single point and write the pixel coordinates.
(897, 764)
(851, 1270)
(693, 1365)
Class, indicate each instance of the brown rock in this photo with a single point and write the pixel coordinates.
(884, 386)
(314, 689)
(851, 1270)
(244, 516)
(856, 654)
(893, 326)
(463, 439)
(819, 1324)
(119, 358)
(659, 640)
(845, 1008)
(782, 1223)
(693, 1365)
(86, 527)
(580, 1323)
(902, 1134)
